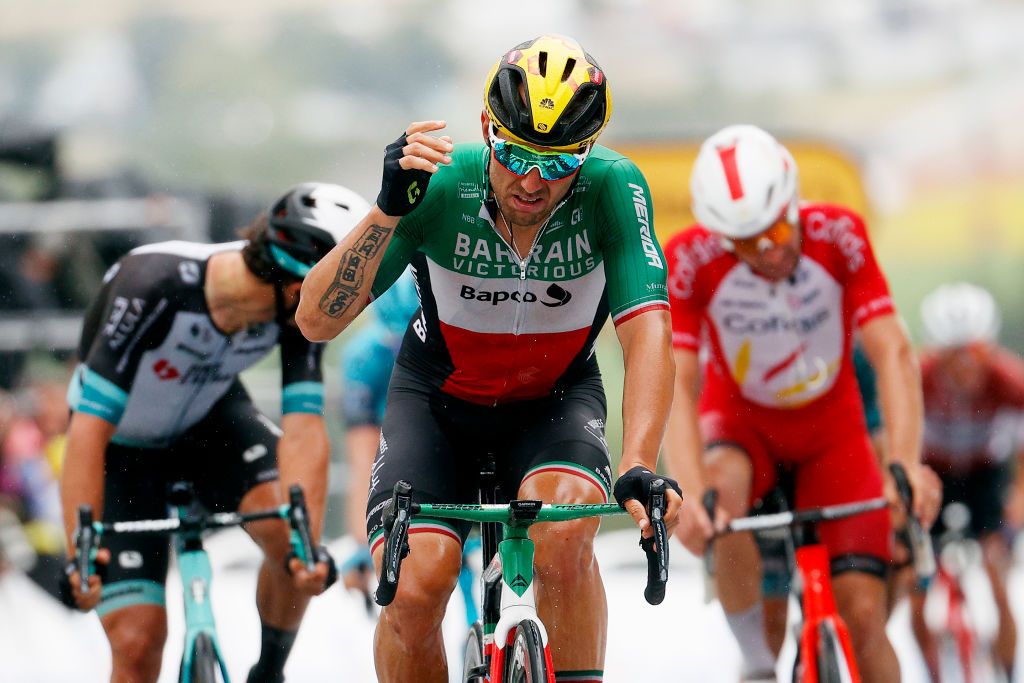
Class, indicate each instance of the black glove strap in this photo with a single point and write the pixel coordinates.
(401, 190)
(636, 484)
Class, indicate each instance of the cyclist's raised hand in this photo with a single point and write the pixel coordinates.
(70, 585)
(632, 492)
(409, 162)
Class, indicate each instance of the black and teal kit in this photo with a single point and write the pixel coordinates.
(495, 329)
(154, 364)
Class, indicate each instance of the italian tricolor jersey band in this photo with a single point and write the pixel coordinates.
(494, 327)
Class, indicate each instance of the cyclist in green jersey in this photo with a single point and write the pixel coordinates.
(521, 248)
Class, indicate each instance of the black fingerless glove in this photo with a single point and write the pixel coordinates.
(401, 190)
(636, 484)
(322, 555)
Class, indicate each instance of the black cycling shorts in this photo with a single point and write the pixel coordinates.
(224, 456)
(435, 442)
(983, 490)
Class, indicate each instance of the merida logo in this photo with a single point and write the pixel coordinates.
(642, 216)
(559, 296)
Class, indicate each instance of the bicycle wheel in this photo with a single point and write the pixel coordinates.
(525, 661)
(204, 661)
(473, 658)
(831, 661)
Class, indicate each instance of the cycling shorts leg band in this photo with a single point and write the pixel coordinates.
(866, 564)
(586, 676)
(121, 594)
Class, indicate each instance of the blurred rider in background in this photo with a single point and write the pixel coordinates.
(367, 360)
(973, 398)
(774, 290)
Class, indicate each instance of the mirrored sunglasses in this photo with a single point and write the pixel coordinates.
(520, 160)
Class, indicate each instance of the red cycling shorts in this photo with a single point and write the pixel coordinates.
(832, 461)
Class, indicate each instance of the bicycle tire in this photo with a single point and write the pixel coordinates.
(473, 656)
(829, 658)
(525, 661)
(204, 661)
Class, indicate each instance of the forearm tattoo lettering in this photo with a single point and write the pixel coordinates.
(348, 281)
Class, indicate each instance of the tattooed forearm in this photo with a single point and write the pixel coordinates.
(348, 282)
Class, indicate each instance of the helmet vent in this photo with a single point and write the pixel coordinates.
(768, 195)
(542, 63)
(570, 64)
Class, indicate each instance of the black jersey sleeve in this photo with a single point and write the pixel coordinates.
(132, 313)
(302, 387)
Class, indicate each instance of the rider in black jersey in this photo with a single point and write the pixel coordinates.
(156, 398)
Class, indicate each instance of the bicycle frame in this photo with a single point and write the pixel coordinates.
(196, 576)
(187, 526)
(819, 614)
(513, 564)
(822, 630)
(960, 605)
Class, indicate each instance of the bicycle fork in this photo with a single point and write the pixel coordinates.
(819, 611)
(510, 574)
(196, 574)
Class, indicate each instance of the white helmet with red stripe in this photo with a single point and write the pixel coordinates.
(743, 181)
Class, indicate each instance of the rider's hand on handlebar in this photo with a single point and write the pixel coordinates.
(72, 594)
(314, 582)
(631, 490)
(695, 527)
(926, 490)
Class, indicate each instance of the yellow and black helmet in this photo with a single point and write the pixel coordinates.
(548, 92)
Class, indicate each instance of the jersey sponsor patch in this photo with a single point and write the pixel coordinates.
(254, 453)
(189, 272)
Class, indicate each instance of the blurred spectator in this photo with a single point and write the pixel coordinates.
(31, 452)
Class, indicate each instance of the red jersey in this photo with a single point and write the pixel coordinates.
(778, 345)
(963, 431)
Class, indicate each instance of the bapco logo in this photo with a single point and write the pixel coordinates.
(559, 296)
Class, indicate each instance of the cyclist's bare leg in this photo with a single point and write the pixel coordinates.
(776, 610)
(279, 603)
(923, 635)
(361, 446)
(137, 635)
(737, 560)
(861, 602)
(997, 564)
(408, 645)
(570, 593)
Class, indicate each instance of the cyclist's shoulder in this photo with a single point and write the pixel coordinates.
(1007, 366)
(831, 223)
(168, 265)
(696, 262)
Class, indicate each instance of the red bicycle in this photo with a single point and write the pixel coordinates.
(824, 648)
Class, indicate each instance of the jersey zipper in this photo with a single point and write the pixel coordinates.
(520, 315)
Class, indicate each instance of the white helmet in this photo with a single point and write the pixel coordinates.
(960, 313)
(742, 181)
